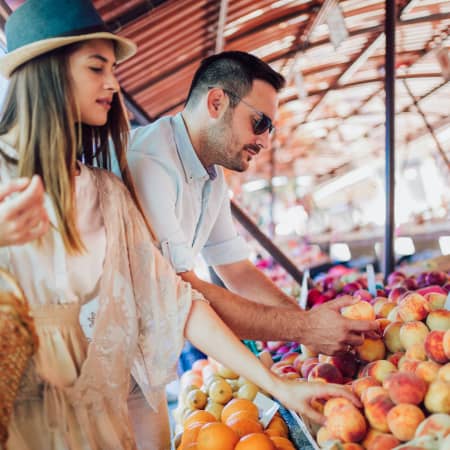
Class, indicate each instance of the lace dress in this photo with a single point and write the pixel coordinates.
(74, 394)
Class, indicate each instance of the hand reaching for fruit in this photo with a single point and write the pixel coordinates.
(299, 396)
(330, 332)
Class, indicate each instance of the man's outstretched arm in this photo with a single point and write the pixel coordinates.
(322, 329)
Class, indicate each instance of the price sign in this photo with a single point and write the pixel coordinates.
(447, 302)
(371, 283)
(304, 293)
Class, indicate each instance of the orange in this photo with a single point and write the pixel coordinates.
(282, 443)
(198, 416)
(242, 424)
(216, 436)
(277, 423)
(190, 433)
(240, 404)
(274, 432)
(255, 441)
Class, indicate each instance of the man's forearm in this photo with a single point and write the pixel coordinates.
(251, 320)
(249, 282)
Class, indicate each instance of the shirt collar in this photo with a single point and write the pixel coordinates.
(192, 166)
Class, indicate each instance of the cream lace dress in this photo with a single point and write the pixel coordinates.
(74, 395)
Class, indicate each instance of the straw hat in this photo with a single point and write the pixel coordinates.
(39, 26)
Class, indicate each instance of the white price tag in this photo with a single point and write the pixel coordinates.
(447, 303)
(304, 293)
(266, 407)
(336, 26)
(371, 283)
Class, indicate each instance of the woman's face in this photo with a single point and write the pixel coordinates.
(91, 68)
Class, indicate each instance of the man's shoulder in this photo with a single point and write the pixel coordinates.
(153, 139)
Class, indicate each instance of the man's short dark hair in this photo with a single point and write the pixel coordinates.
(234, 72)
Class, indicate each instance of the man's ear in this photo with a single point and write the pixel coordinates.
(217, 102)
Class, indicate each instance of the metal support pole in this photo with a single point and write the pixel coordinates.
(266, 243)
(389, 258)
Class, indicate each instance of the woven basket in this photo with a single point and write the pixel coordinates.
(18, 342)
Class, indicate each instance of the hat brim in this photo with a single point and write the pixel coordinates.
(124, 49)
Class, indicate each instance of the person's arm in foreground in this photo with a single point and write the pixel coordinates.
(23, 217)
(323, 329)
(208, 333)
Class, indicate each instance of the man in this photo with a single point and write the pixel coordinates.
(177, 163)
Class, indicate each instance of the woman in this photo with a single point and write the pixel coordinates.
(61, 107)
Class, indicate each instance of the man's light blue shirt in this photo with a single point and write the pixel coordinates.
(187, 205)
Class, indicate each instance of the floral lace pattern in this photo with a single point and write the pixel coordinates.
(139, 328)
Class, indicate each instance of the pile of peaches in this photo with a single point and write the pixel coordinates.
(402, 378)
(215, 411)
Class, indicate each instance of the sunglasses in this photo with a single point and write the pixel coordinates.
(260, 125)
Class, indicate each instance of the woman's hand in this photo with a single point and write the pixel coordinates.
(297, 395)
(23, 217)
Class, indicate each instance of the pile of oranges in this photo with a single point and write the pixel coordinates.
(237, 429)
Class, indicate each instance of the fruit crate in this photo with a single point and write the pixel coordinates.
(300, 431)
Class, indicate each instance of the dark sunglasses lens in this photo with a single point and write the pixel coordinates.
(263, 124)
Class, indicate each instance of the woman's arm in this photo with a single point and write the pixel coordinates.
(207, 332)
(23, 217)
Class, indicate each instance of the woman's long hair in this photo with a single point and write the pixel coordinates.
(39, 104)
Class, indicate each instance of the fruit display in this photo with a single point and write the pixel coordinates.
(402, 377)
(215, 411)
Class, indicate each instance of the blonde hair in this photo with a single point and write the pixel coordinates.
(51, 138)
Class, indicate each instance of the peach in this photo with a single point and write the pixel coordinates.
(347, 424)
(434, 425)
(370, 437)
(391, 337)
(384, 441)
(361, 384)
(345, 362)
(298, 362)
(290, 357)
(334, 404)
(403, 420)
(395, 357)
(446, 344)
(376, 410)
(351, 446)
(406, 387)
(437, 399)
(371, 350)
(396, 293)
(428, 370)
(434, 346)
(413, 307)
(382, 324)
(444, 373)
(408, 365)
(436, 300)
(393, 315)
(382, 309)
(380, 369)
(439, 319)
(325, 372)
(413, 333)
(373, 392)
(308, 366)
(416, 352)
(323, 435)
(359, 311)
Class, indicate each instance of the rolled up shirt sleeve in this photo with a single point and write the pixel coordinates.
(224, 245)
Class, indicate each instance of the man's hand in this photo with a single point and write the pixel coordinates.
(23, 217)
(330, 333)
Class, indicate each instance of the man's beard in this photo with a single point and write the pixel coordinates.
(219, 144)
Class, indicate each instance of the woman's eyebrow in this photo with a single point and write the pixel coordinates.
(101, 58)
